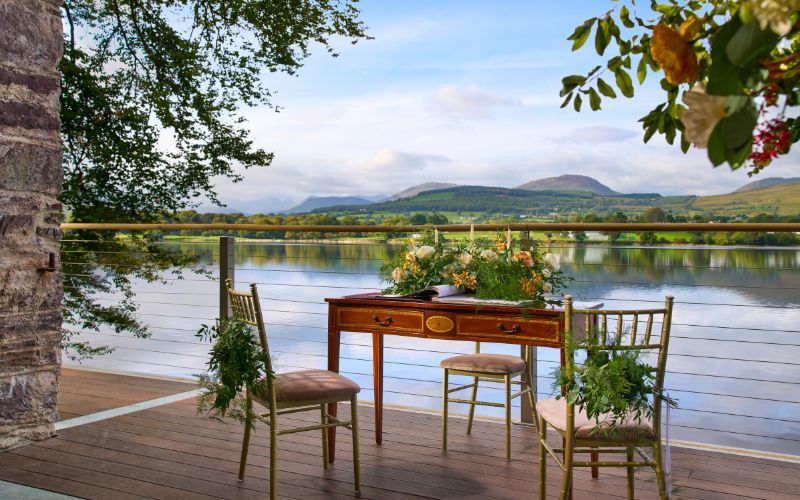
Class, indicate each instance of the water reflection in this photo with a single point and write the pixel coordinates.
(733, 358)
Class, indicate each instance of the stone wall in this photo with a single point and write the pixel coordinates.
(30, 179)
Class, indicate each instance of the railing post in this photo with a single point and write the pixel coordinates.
(526, 412)
(226, 271)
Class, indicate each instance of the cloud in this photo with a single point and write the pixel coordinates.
(466, 102)
(599, 134)
(390, 160)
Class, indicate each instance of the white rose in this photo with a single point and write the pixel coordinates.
(465, 258)
(547, 287)
(488, 254)
(702, 114)
(775, 13)
(398, 274)
(552, 261)
(425, 252)
(546, 273)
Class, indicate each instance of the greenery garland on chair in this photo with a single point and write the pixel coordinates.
(611, 386)
(236, 363)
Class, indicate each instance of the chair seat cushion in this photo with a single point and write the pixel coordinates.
(554, 412)
(485, 363)
(310, 385)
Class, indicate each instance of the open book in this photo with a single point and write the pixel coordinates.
(433, 292)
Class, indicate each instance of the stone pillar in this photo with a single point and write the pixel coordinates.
(30, 180)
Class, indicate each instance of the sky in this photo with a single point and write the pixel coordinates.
(465, 92)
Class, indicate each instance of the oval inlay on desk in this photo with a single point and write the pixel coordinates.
(439, 324)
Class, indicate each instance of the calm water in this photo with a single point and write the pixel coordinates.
(734, 355)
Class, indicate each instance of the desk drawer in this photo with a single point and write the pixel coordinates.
(380, 319)
(507, 327)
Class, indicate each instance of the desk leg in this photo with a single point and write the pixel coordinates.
(334, 347)
(377, 374)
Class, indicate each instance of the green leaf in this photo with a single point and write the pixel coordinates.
(624, 82)
(641, 71)
(737, 157)
(601, 37)
(723, 77)
(605, 89)
(577, 102)
(624, 16)
(569, 83)
(684, 143)
(749, 44)
(581, 33)
(566, 101)
(737, 128)
(594, 99)
(716, 146)
(649, 131)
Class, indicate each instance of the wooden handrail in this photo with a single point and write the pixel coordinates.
(545, 227)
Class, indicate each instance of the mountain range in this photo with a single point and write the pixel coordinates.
(542, 196)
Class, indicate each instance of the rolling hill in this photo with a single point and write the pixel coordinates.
(780, 199)
(766, 183)
(420, 188)
(569, 183)
(315, 203)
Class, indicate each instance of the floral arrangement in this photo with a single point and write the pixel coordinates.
(734, 65)
(489, 269)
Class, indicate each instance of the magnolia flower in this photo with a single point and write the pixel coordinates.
(488, 254)
(465, 258)
(552, 261)
(775, 13)
(398, 274)
(547, 287)
(546, 273)
(702, 114)
(425, 252)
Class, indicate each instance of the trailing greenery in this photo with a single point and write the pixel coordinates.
(611, 386)
(236, 362)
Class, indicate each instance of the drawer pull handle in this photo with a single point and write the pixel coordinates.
(515, 328)
(386, 322)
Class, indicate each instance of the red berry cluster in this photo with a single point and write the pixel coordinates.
(771, 139)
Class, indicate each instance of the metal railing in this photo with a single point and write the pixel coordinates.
(736, 378)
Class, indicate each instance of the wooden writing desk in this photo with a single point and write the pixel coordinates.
(369, 313)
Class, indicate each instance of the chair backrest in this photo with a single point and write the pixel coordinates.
(247, 308)
(630, 330)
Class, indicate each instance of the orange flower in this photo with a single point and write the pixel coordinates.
(464, 279)
(672, 52)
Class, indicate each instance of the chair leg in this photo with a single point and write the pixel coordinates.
(273, 453)
(508, 417)
(531, 395)
(445, 385)
(659, 467)
(630, 473)
(566, 483)
(472, 406)
(542, 428)
(246, 439)
(323, 419)
(354, 428)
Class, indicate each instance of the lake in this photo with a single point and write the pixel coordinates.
(734, 358)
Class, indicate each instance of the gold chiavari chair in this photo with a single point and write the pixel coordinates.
(293, 392)
(579, 433)
(484, 367)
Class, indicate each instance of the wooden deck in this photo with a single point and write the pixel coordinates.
(169, 452)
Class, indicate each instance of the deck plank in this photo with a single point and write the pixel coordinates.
(169, 452)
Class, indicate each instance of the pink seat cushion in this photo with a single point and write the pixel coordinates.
(310, 385)
(554, 412)
(485, 363)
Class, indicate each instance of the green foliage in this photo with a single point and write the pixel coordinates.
(236, 362)
(744, 52)
(150, 98)
(611, 386)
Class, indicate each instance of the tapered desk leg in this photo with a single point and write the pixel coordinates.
(334, 346)
(377, 374)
